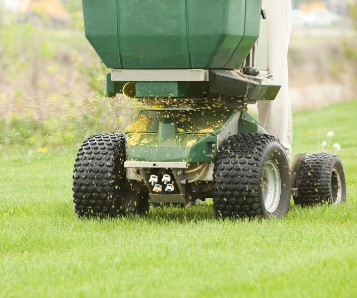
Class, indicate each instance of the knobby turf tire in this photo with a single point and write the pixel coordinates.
(321, 179)
(100, 188)
(238, 182)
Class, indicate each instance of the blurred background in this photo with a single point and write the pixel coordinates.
(51, 81)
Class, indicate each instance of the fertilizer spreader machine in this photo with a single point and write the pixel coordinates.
(196, 65)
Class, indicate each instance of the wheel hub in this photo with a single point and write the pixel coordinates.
(271, 187)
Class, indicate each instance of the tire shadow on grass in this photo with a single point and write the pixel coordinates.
(181, 214)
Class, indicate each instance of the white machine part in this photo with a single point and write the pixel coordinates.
(157, 188)
(153, 180)
(166, 179)
(170, 188)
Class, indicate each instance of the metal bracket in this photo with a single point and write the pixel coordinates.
(230, 129)
(155, 165)
(237, 85)
(160, 75)
(295, 167)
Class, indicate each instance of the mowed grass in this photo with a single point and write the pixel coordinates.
(45, 251)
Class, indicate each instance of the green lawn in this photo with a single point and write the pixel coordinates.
(45, 251)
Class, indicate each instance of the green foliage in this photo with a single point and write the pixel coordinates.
(75, 9)
(353, 11)
(22, 130)
(350, 44)
(44, 87)
(2, 14)
(95, 72)
(67, 126)
(15, 41)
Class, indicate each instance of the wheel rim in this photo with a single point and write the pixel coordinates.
(336, 187)
(271, 186)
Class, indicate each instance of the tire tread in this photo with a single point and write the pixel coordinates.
(237, 176)
(314, 179)
(98, 170)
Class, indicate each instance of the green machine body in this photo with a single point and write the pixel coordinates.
(172, 34)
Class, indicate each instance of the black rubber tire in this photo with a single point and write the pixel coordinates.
(321, 179)
(238, 180)
(100, 188)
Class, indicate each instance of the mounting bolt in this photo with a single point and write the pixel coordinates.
(153, 180)
(170, 188)
(166, 179)
(157, 188)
